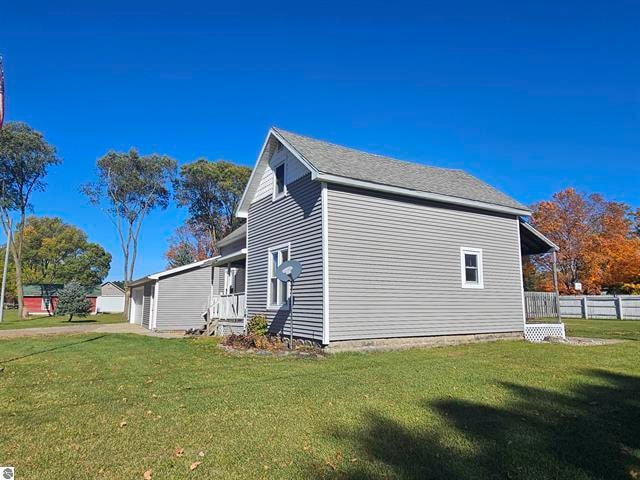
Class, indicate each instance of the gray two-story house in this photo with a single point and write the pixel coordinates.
(389, 249)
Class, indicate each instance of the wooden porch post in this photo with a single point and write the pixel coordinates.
(555, 285)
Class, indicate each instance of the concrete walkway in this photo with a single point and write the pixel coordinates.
(90, 328)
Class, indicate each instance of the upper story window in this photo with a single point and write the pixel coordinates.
(279, 187)
(471, 267)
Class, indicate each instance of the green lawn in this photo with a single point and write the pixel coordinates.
(11, 320)
(620, 329)
(495, 410)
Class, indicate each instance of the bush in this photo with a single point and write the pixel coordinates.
(261, 342)
(72, 301)
(257, 325)
(239, 341)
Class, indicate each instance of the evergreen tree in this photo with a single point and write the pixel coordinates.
(72, 301)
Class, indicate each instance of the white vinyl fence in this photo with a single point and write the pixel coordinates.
(542, 305)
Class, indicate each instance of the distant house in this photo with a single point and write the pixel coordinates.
(389, 249)
(42, 298)
(111, 299)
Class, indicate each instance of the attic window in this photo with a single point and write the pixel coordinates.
(279, 188)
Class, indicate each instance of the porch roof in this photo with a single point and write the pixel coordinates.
(237, 255)
(533, 242)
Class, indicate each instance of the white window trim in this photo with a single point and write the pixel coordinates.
(463, 278)
(275, 196)
(283, 246)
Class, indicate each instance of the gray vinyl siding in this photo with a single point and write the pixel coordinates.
(182, 298)
(109, 290)
(394, 268)
(234, 246)
(295, 218)
(218, 280)
(240, 280)
(146, 304)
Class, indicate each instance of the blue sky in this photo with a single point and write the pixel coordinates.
(531, 98)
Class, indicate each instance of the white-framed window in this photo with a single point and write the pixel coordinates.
(471, 267)
(279, 185)
(277, 290)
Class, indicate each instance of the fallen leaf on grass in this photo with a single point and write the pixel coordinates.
(147, 475)
(149, 381)
(194, 465)
(178, 452)
(123, 423)
(333, 467)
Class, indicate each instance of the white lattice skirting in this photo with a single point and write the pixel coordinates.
(537, 332)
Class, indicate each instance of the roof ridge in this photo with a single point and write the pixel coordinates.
(386, 157)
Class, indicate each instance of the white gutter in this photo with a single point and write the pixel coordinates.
(232, 256)
(189, 266)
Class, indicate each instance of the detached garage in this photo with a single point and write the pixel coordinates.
(111, 299)
(174, 299)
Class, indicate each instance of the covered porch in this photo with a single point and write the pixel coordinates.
(533, 242)
(227, 309)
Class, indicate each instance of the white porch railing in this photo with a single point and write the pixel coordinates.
(230, 307)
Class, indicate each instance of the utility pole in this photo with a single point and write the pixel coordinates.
(4, 269)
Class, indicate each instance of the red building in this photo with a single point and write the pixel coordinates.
(42, 298)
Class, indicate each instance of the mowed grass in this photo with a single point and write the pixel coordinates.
(115, 406)
(617, 329)
(11, 320)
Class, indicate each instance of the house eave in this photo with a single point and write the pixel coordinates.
(189, 266)
(324, 177)
(240, 254)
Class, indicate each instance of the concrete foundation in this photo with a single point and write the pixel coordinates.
(382, 344)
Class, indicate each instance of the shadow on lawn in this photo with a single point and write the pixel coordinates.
(57, 347)
(590, 432)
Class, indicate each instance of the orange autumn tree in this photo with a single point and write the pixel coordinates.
(598, 239)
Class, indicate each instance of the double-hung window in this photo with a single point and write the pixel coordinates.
(471, 267)
(279, 187)
(278, 294)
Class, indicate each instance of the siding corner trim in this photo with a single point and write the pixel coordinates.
(325, 264)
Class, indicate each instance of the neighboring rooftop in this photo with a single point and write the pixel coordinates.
(52, 289)
(332, 159)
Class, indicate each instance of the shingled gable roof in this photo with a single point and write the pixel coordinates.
(337, 164)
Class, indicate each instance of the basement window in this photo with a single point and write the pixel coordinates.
(471, 267)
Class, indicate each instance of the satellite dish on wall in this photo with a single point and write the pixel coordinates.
(288, 271)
